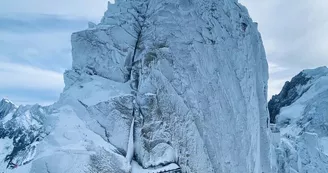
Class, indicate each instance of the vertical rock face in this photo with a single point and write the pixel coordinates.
(301, 125)
(190, 75)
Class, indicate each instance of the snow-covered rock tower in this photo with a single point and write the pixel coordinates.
(191, 74)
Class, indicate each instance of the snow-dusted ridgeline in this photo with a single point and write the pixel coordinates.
(301, 123)
(192, 76)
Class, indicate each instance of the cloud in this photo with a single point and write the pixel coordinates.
(24, 84)
(29, 96)
(40, 40)
(45, 50)
(294, 35)
(274, 68)
(29, 77)
(39, 23)
(275, 86)
(89, 9)
(277, 78)
(35, 45)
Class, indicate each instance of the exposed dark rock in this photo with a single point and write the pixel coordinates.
(25, 128)
(287, 96)
(5, 108)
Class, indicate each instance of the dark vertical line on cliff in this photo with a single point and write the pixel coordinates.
(136, 46)
(139, 28)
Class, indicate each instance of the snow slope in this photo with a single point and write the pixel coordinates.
(302, 124)
(187, 79)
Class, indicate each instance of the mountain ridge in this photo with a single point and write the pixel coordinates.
(301, 126)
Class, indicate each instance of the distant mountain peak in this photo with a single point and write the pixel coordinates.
(300, 113)
(294, 89)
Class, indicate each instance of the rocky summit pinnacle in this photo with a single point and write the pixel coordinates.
(156, 86)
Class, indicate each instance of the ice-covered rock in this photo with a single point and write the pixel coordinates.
(301, 122)
(188, 76)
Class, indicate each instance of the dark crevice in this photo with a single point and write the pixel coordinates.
(47, 167)
(139, 28)
(238, 6)
(83, 104)
(106, 132)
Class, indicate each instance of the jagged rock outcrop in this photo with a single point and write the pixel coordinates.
(21, 129)
(301, 125)
(189, 76)
(290, 92)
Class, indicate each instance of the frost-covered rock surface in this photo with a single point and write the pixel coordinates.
(301, 136)
(21, 129)
(157, 85)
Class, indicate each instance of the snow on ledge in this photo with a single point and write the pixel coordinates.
(136, 168)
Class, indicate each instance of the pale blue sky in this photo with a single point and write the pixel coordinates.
(35, 41)
(294, 33)
(35, 45)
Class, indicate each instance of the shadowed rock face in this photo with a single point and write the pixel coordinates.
(287, 95)
(6, 107)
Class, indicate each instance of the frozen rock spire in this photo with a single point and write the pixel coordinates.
(191, 74)
(199, 75)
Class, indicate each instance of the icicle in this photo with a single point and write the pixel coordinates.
(130, 151)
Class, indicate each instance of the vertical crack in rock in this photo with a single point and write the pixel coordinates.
(106, 132)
